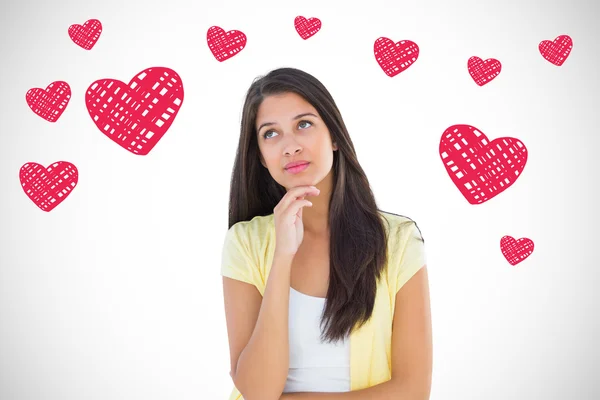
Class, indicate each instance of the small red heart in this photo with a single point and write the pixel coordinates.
(86, 35)
(483, 72)
(481, 169)
(224, 45)
(51, 102)
(136, 115)
(516, 251)
(48, 187)
(394, 58)
(557, 51)
(307, 28)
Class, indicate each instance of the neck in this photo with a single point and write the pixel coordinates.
(316, 218)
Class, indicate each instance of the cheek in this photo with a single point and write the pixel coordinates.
(325, 147)
(270, 161)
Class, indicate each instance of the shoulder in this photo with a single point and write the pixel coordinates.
(251, 237)
(405, 248)
(258, 227)
(406, 252)
(244, 250)
(400, 228)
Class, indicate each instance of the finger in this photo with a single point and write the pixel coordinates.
(293, 194)
(296, 206)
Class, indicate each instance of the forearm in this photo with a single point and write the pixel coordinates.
(263, 365)
(389, 390)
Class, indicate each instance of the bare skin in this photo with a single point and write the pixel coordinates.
(289, 139)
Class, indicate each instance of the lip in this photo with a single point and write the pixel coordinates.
(298, 168)
(295, 164)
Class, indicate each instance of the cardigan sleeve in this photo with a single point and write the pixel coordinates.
(410, 253)
(236, 257)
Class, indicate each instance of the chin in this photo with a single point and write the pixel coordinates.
(299, 182)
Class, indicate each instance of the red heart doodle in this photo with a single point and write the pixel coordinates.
(86, 35)
(394, 58)
(483, 72)
(136, 115)
(51, 102)
(224, 45)
(516, 251)
(557, 51)
(481, 169)
(48, 187)
(307, 28)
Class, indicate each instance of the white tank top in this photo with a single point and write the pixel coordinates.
(315, 366)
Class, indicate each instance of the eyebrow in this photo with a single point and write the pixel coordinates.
(295, 118)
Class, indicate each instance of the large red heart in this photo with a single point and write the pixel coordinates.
(307, 28)
(86, 35)
(481, 169)
(516, 251)
(394, 58)
(48, 187)
(136, 115)
(483, 72)
(557, 51)
(224, 45)
(51, 102)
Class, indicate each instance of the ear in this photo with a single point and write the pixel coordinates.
(334, 146)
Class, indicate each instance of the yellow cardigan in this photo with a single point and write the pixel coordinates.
(247, 256)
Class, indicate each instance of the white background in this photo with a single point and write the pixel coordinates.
(116, 293)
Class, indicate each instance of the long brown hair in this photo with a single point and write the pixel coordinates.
(358, 243)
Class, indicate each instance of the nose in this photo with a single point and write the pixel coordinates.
(294, 152)
(292, 148)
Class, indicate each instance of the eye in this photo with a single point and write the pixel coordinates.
(265, 134)
(304, 120)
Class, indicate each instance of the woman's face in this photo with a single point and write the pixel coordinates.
(286, 133)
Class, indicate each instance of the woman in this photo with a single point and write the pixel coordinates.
(312, 269)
